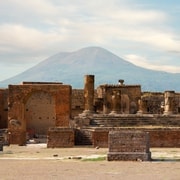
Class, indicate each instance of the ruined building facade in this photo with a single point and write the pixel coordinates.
(39, 109)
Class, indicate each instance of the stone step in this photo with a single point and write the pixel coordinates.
(83, 137)
(133, 121)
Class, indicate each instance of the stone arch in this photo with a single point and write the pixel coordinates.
(39, 112)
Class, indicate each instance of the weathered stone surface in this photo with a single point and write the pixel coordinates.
(88, 94)
(100, 138)
(128, 96)
(59, 137)
(129, 156)
(37, 107)
(159, 137)
(128, 145)
(77, 102)
(3, 108)
(169, 104)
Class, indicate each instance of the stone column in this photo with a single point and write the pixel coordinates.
(169, 97)
(88, 94)
(105, 102)
(140, 107)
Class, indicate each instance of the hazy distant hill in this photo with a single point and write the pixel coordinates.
(70, 68)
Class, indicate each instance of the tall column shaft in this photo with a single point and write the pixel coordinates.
(89, 93)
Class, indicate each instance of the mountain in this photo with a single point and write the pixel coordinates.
(70, 68)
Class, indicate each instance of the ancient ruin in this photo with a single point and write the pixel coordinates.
(52, 111)
(129, 146)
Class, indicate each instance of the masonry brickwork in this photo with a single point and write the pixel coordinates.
(3, 108)
(37, 107)
(59, 137)
(77, 102)
(128, 146)
(33, 107)
(158, 136)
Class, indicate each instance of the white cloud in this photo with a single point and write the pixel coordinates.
(17, 38)
(43, 7)
(40, 28)
(145, 63)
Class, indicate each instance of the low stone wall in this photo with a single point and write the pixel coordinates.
(59, 137)
(159, 137)
(100, 138)
(128, 146)
(164, 138)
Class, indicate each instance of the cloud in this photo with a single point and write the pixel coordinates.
(17, 38)
(145, 63)
(31, 29)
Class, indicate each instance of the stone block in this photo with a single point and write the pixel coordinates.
(59, 137)
(128, 146)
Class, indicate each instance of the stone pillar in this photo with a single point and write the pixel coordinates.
(142, 109)
(169, 99)
(105, 103)
(88, 94)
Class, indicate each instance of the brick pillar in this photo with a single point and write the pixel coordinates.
(169, 99)
(89, 94)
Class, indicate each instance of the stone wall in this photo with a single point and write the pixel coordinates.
(165, 137)
(100, 138)
(60, 137)
(159, 137)
(128, 146)
(77, 102)
(48, 104)
(3, 108)
(153, 102)
(128, 95)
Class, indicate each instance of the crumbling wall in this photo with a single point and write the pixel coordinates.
(154, 102)
(58, 94)
(129, 96)
(77, 102)
(158, 137)
(3, 108)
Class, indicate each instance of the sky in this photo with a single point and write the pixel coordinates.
(144, 32)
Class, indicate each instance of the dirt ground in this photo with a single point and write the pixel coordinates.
(37, 162)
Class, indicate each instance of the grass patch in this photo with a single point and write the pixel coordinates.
(95, 159)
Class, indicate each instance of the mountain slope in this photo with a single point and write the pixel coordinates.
(70, 68)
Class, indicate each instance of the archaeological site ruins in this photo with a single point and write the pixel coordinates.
(118, 116)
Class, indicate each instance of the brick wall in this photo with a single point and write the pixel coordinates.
(100, 138)
(60, 137)
(77, 102)
(57, 95)
(164, 137)
(3, 108)
(159, 137)
(128, 145)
